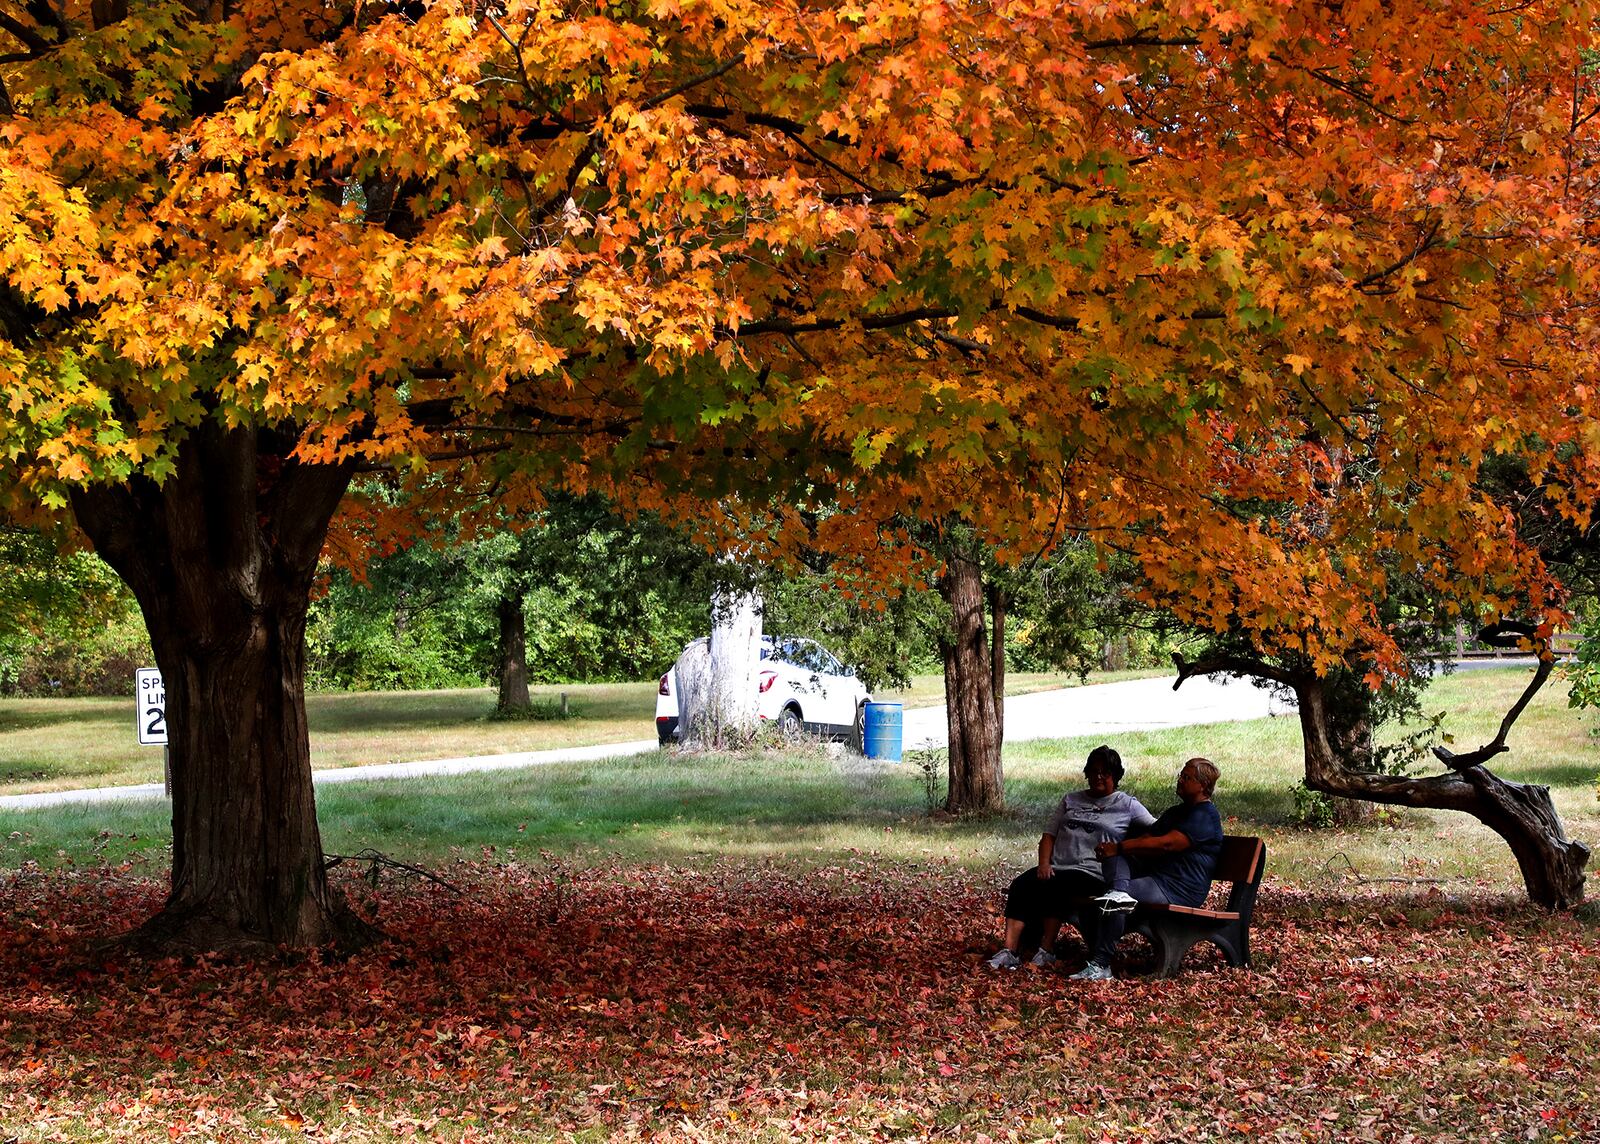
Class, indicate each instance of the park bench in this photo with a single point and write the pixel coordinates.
(1174, 930)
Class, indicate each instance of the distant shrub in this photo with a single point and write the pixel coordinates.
(99, 663)
(539, 711)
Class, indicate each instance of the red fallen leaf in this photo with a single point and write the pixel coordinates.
(711, 1023)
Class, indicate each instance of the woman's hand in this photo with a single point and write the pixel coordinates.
(1108, 849)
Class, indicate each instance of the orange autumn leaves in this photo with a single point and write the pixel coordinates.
(1128, 269)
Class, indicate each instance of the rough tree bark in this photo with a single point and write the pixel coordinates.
(514, 698)
(221, 559)
(692, 675)
(972, 702)
(735, 659)
(999, 602)
(717, 699)
(1551, 864)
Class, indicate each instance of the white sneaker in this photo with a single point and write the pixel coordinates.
(1005, 959)
(1116, 902)
(1094, 971)
(1043, 958)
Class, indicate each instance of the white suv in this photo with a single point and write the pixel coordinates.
(800, 685)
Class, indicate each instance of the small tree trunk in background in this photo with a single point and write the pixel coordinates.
(514, 698)
(977, 783)
(221, 558)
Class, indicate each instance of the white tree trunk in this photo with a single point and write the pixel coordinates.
(717, 682)
(736, 657)
(693, 673)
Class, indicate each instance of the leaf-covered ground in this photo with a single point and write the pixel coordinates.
(743, 1001)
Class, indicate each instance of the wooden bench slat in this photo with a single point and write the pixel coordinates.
(1192, 911)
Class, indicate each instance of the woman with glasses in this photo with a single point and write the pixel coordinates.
(1172, 863)
(1069, 870)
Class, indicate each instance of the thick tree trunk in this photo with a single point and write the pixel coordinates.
(221, 558)
(998, 604)
(1354, 748)
(514, 699)
(735, 650)
(977, 782)
(717, 708)
(696, 713)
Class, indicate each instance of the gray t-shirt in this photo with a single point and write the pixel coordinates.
(1082, 820)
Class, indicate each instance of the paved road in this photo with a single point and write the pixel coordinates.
(1104, 708)
(1111, 708)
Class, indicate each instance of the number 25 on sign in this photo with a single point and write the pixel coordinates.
(151, 695)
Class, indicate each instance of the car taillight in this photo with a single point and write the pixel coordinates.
(768, 678)
(664, 689)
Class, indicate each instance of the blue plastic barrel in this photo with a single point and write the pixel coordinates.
(881, 736)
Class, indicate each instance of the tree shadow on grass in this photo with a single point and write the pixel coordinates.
(336, 712)
(33, 714)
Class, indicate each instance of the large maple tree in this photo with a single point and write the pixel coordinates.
(1133, 268)
(1278, 284)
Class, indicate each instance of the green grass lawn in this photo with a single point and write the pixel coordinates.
(809, 807)
(65, 744)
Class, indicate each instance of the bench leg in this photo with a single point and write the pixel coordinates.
(1170, 947)
(1172, 937)
(1234, 942)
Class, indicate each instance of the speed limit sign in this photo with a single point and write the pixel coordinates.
(152, 700)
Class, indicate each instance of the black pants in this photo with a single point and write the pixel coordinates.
(1031, 899)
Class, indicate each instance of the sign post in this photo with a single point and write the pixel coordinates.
(151, 695)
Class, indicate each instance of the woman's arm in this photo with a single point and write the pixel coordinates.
(1139, 814)
(1172, 842)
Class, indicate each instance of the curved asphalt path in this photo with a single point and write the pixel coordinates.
(1104, 708)
(1111, 708)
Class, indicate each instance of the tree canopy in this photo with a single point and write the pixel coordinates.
(1015, 264)
(1249, 290)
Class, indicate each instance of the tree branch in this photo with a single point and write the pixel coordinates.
(875, 322)
(696, 81)
(29, 36)
(1506, 633)
(1233, 665)
(1422, 248)
(1145, 41)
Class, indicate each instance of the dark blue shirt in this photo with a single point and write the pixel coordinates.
(1186, 876)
